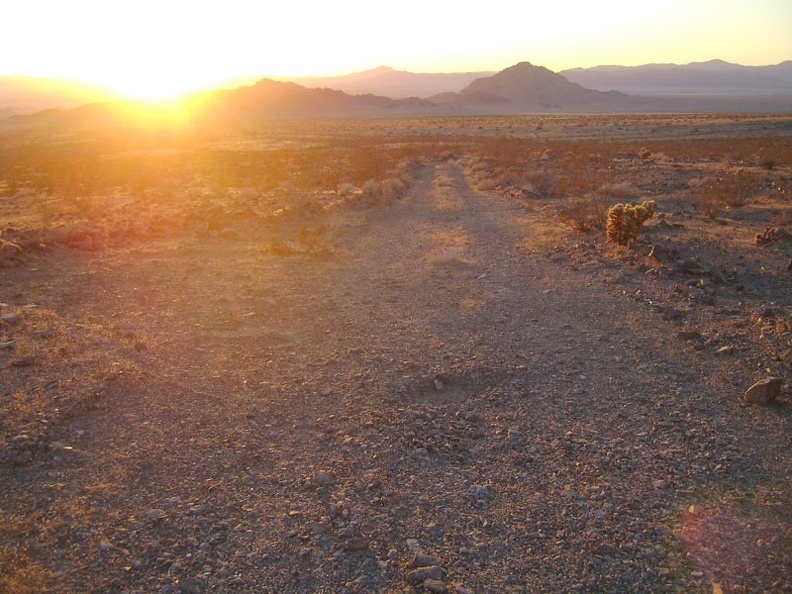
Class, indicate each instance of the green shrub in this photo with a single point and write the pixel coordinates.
(625, 221)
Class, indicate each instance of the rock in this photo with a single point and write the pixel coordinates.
(718, 277)
(764, 391)
(663, 253)
(154, 514)
(24, 362)
(725, 350)
(769, 313)
(356, 544)
(419, 576)
(11, 318)
(605, 550)
(480, 492)
(323, 479)
(671, 314)
(434, 586)
(690, 336)
(424, 561)
(687, 267)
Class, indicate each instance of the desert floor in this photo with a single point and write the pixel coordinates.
(447, 391)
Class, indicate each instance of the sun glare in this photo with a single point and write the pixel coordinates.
(152, 86)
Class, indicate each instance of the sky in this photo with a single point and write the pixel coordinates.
(157, 48)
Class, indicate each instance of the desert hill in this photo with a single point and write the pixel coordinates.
(530, 86)
(269, 95)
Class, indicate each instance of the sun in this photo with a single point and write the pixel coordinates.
(157, 86)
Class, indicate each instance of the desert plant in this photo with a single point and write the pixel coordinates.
(706, 198)
(346, 189)
(580, 213)
(732, 189)
(625, 221)
(737, 187)
(318, 241)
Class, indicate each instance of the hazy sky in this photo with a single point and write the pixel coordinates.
(146, 46)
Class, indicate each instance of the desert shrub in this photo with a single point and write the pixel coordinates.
(733, 189)
(346, 189)
(620, 191)
(768, 163)
(371, 188)
(625, 221)
(318, 241)
(583, 208)
(12, 186)
(737, 187)
(485, 184)
(541, 182)
(705, 197)
(393, 188)
(582, 214)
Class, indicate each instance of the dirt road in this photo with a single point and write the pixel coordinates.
(443, 403)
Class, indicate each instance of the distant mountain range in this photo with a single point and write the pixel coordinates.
(522, 87)
(398, 84)
(715, 77)
(26, 94)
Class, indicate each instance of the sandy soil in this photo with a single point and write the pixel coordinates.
(452, 400)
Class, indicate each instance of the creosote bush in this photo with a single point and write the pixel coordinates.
(625, 221)
(732, 189)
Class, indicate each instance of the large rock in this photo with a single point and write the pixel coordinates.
(764, 391)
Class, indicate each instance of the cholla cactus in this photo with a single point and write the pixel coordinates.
(625, 220)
